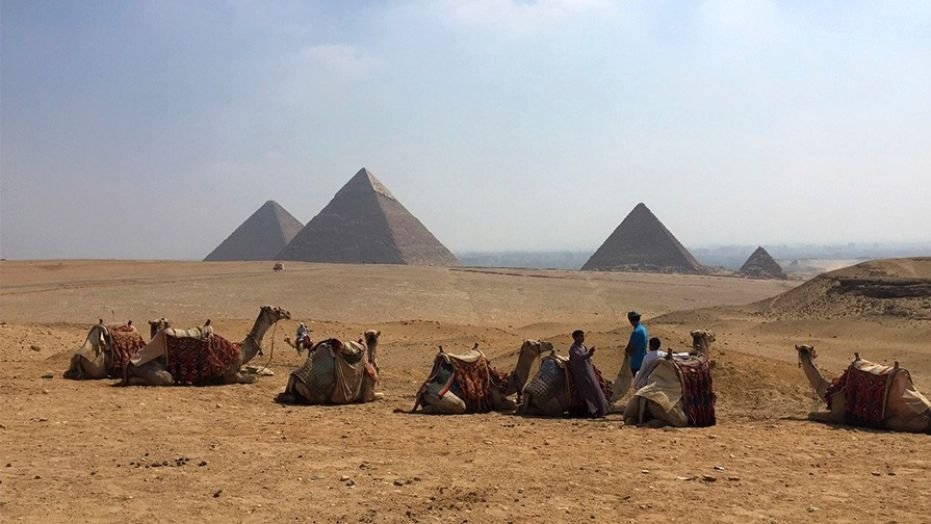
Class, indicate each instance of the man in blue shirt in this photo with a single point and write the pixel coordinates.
(637, 346)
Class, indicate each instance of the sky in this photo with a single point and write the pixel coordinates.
(152, 129)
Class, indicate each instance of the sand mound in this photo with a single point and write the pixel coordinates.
(894, 287)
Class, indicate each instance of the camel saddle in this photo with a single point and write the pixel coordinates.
(158, 346)
(350, 352)
(125, 342)
(697, 391)
(866, 390)
(471, 379)
(469, 357)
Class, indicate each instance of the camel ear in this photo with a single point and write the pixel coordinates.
(378, 333)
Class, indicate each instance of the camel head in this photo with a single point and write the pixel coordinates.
(371, 337)
(276, 313)
(805, 351)
(701, 341)
(158, 325)
(535, 347)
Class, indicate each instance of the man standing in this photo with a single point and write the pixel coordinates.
(583, 374)
(637, 346)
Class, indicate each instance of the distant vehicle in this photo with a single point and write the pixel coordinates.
(278, 267)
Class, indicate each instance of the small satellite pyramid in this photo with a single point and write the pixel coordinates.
(365, 224)
(761, 265)
(642, 243)
(260, 237)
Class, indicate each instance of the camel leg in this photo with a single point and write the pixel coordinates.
(289, 395)
(74, 369)
(675, 417)
(448, 404)
(632, 412)
(825, 417)
(501, 402)
(915, 424)
(368, 390)
(239, 378)
(83, 369)
(149, 375)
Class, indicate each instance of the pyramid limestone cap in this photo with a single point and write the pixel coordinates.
(364, 181)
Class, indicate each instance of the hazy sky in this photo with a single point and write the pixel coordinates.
(152, 129)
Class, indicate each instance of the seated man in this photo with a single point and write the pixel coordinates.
(653, 354)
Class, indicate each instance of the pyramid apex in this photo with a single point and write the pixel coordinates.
(364, 180)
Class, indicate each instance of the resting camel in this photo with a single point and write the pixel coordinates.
(335, 372)
(105, 352)
(468, 383)
(548, 393)
(868, 394)
(198, 356)
(664, 401)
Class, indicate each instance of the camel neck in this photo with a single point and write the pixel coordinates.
(818, 382)
(252, 344)
(522, 371)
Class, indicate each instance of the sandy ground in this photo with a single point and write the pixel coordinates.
(88, 451)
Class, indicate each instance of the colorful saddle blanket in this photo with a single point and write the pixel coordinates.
(199, 361)
(472, 380)
(698, 396)
(865, 386)
(125, 342)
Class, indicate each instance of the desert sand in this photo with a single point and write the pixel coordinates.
(89, 451)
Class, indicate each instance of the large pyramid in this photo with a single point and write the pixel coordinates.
(365, 224)
(761, 265)
(642, 243)
(260, 237)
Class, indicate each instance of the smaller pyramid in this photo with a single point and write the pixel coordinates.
(761, 265)
(366, 224)
(642, 243)
(260, 237)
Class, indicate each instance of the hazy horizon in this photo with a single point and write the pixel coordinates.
(152, 129)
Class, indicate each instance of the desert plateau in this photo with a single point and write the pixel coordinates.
(82, 451)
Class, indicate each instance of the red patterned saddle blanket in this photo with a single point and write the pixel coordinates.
(864, 394)
(698, 395)
(125, 341)
(199, 361)
(473, 383)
